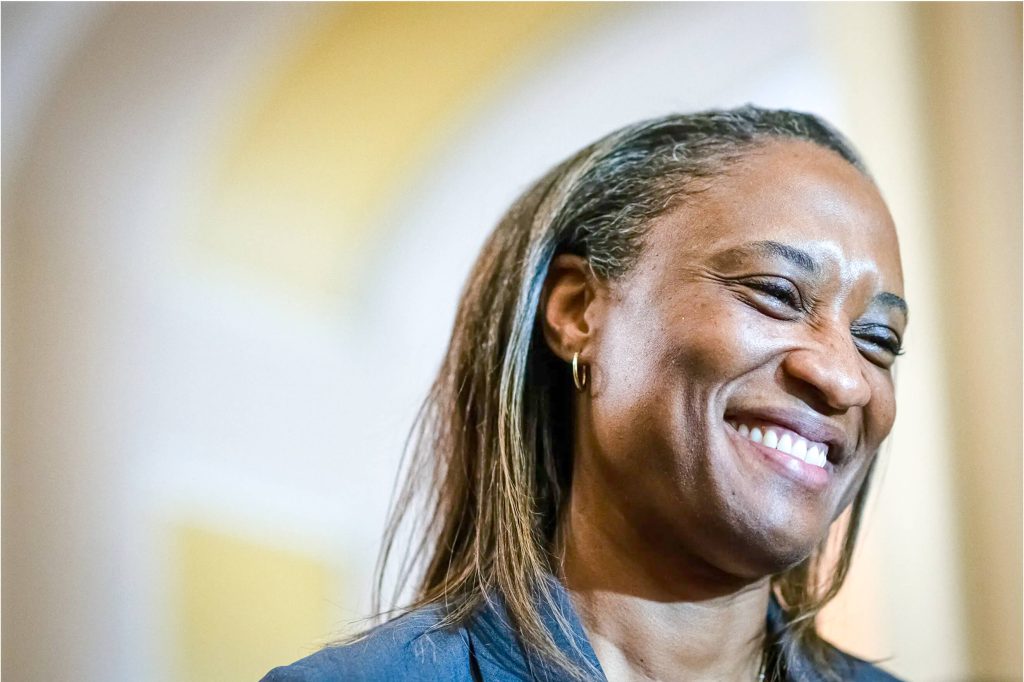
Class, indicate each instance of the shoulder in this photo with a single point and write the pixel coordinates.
(409, 647)
(859, 670)
(799, 665)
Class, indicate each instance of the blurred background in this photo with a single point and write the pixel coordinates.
(233, 240)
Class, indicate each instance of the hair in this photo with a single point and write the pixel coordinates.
(488, 463)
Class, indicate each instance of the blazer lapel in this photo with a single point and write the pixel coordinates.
(500, 656)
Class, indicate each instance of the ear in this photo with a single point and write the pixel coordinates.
(569, 292)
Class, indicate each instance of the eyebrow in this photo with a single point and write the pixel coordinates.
(890, 300)
(797, 257)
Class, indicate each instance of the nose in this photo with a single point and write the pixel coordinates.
(833, 370)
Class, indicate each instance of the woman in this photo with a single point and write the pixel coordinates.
(670, 373)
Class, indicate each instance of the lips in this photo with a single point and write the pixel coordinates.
(809, 437)
(784, 440)
(815, 475)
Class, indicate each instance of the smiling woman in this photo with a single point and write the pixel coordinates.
(670, 375)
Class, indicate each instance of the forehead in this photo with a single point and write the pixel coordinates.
(791, 192)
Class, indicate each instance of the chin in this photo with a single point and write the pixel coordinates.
(766, 552)
(782, 558)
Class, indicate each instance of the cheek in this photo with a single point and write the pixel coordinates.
(627, 372)
(629, 362)
(718, 342)
(879, 416)
(653, 370)
(880, 413)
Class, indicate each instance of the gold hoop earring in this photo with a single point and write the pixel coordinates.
(579, 373)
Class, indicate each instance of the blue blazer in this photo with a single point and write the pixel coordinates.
(486, 649)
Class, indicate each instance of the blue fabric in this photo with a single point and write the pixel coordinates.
(486, 649)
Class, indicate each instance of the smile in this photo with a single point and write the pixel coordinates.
(785, 441)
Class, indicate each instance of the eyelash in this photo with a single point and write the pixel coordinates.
(887, 339)
(784, 293)
(789, 295)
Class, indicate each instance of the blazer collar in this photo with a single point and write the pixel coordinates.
(500, 657)
(798, 667)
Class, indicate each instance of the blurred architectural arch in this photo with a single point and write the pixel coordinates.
(233, 240)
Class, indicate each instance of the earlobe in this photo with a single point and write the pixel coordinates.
(568, 291)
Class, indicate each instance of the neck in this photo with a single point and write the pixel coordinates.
(652, 619)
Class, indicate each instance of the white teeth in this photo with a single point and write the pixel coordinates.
(797, 447)
(785, 444)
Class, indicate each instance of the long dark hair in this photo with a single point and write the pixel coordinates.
(489, 459)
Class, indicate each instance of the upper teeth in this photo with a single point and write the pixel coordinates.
(786, 441)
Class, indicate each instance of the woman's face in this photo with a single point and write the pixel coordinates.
(768, 308)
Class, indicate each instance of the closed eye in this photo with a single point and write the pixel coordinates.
(879, 336)
(780, 289)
